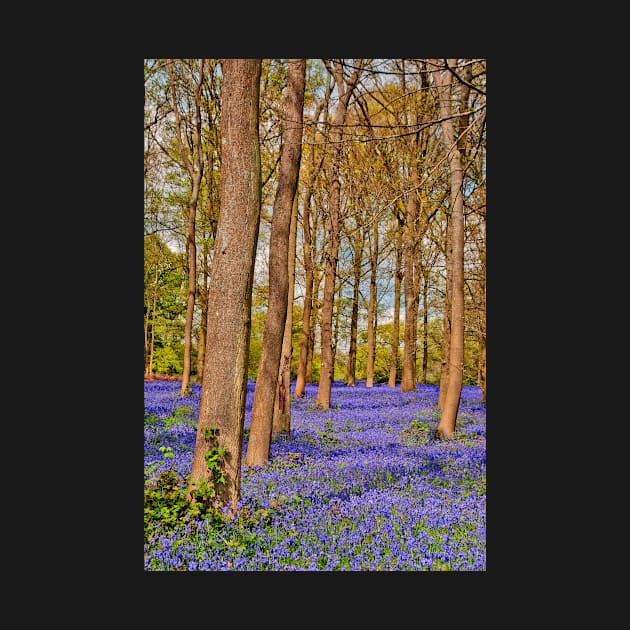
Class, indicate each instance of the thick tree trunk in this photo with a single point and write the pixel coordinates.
(203, 307)
(282, 406)
(222, 405)
(447, 423)
(269, 364)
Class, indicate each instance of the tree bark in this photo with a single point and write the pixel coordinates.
(300, 380)
(393, 362)
(446, 331)
(282, 406)
(304, 371)
(194, 167)
(410, 284)
(425, 327)
(446, 426)
(371, 316)
(351, 366)
(224, 386)
(268, 367)
(333, 224)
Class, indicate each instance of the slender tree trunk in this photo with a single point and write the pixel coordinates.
(326, 369)
(268, 367)
(425, 327)
(149, 369)
(447, 424)
(282, 406)
(446, 334)
(224, 387)
(308, 297)
(351, 366)
(194, 167)
(205, 273)
(371, 323)
(393, 362)
(481, 374)
(410, 283)
(305, 369)
(333, 223)
(315, 317)
(192, 287)
(336, 328)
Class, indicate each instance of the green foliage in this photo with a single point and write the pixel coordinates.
(181, 415)
(166, 505)
(327, 436)
(417, 433)
(168, 359)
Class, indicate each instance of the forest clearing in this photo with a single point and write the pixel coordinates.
(360, 487)
(314, 314)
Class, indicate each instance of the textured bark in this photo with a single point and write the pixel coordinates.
(333, 226)
(269, 363)
(282, 406)
(224, 386)
(203, 306)
(448, 418)
(371, 315)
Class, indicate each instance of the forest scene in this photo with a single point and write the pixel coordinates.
(314, 314)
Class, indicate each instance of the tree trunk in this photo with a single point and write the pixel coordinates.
(268, 367)
(315, 317)
(447, 424)
(393, 362)
(351, 366)
(371, 316)
(224, 387)
(481, 373)
(308, 297)
(282, 406)
(203, 304)
(333, 224)
(425, 327)
(411, 285)
(194, 167)
(446, 334)
(305, 368)
(149, 367)
(205, 273)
